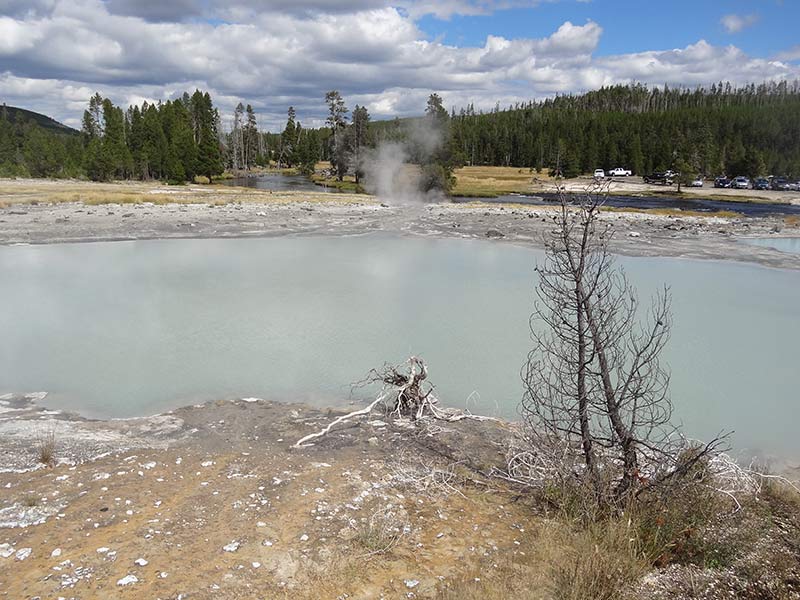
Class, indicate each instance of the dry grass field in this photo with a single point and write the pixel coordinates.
(48, 191)
(487, 182)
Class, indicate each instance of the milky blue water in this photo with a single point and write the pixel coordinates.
(784, 244)
(134, 328)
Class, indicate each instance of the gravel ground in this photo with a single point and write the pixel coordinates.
(263, 215)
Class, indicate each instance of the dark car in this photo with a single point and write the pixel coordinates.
(761, 184)
(722, 182)
(659, 178)
(781, 183)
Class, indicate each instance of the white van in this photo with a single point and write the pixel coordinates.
(599, 174)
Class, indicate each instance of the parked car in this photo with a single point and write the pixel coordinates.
(781, 184)
(761, 184)
(740, 183)
(696, 182)
(659, 178)
(722, 182)
(599, 173)
(619, 172)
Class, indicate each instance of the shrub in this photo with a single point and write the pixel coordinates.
(46, 447)
(601, 562)
(435, 177)
(381, 532)
(201, 179)
(672, 529)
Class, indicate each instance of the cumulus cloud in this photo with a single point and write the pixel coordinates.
(735, 23)
(54, 55)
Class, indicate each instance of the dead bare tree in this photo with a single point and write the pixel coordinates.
(405, 394)
(596, 406)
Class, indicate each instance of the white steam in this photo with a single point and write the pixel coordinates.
(387, 175)
(389, 172)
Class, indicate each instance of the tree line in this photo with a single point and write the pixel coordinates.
(28, 149)
(748, 130)
(175, 140)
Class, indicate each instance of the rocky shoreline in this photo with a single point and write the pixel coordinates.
(636, 233)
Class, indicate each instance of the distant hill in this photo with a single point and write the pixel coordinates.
(14, 115)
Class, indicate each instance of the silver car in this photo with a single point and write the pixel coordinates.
(740, 183)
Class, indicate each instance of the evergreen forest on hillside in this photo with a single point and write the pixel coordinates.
(750, 130)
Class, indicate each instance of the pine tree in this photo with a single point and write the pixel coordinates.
(43, 154)
(209, 159)
(8, 146)
(182, 141)
(337, 121)
(154, 146)
(288, 143)
(116, 153)
(358, 139)
(439, 157)
(250, 138)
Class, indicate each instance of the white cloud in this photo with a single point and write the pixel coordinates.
(54, 57)
(735, 23)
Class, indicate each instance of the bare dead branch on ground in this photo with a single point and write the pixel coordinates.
(406, 396)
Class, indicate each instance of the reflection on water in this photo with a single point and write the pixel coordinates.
(279, 182)
(134, 328)
(749, 209)
(778, 243)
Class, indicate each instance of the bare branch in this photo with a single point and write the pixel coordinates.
(405, 395)
(596, 406)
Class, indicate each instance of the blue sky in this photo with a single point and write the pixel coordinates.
(636, 25)
(387, 55)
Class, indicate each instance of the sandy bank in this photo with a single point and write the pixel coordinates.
(211, 502)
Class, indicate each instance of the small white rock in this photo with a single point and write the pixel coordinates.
(411, 583)
(56, 553)
(23, 553)
(128, 580)
(103, 550)
(141, 562)
(232, 547)
(256, 565)
(304, 538)
(6, 550)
